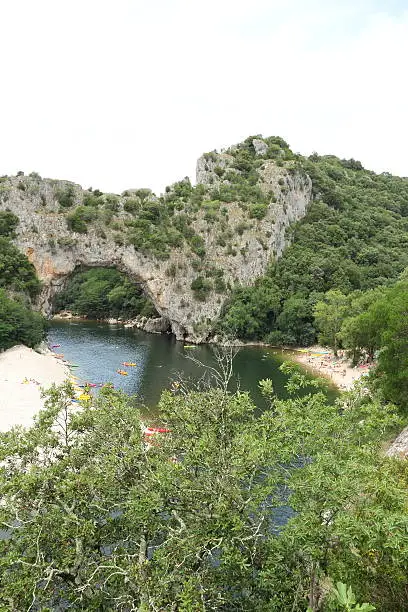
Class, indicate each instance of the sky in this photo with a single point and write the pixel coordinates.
(119, 94)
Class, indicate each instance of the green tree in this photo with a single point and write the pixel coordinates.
(195, 521)
(253, 311)
(393, 357)
(19, 324)
(329, 316)
(17, 274)
(8, 223)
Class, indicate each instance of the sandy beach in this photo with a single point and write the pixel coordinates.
(321, 361)
(23, 373)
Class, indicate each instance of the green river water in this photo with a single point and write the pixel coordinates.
(100, 349)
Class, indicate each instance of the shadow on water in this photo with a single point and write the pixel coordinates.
(100, 349)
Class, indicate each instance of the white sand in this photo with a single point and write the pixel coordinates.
(19, 402)
(338, 369)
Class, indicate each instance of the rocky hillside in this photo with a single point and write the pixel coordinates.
(187, 248)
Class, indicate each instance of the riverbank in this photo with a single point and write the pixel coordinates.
(338, 369)
(23, 374)
(318, 360)
(151, 325)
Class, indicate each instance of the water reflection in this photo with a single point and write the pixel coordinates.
(100, 350)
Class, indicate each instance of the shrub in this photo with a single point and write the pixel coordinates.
(219, 171)
(241, 227)
(65, 197)
(19, 324)
(131, 205)
(80, 218)
(92, 198)
(112, 202)
(8, 223)
(197, 245)
(171, 270)
(258, 211)
(201, 288)
(219, 285)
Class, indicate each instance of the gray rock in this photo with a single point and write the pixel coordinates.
(260, 146)
(399, 448)
(56, 252)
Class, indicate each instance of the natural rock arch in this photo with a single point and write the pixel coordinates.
(54, 269)
(55, 251)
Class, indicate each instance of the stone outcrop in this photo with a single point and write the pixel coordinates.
(55, 251)
(399, 448)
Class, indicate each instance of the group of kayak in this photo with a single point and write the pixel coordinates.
(128, 364)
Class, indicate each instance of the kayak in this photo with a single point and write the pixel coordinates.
(190, 346)
(128, 363)
(122, 372)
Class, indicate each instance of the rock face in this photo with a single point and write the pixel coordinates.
(399, 448)
(55, 251)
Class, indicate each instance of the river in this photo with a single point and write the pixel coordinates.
(100, 349)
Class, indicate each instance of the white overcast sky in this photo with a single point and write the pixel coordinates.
(116, 94)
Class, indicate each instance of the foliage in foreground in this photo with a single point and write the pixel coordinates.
(200, 521)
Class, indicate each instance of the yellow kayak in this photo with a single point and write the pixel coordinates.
(84, 397)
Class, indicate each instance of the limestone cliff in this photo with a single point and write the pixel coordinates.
(240, 253)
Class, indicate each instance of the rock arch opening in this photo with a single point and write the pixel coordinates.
(105, 293)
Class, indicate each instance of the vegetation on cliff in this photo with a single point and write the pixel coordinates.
(353, 238)
(201, 519)
(18, 285)
(102, 293)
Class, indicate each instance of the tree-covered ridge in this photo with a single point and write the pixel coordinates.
(102, 293)
(199, 520)
(18, 285)
(354, 237)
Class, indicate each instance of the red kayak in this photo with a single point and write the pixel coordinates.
(152, 430)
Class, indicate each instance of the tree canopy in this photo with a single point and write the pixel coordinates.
(354, 237)
(224, 512)
(18, 287)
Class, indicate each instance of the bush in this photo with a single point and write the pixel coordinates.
(65, 197)
(8, 223)
(197, 245)
(201, 288)
(91, 198)
(257, 211)
(19, 324)
(131, 205)
(80, 218)
(17, 274)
